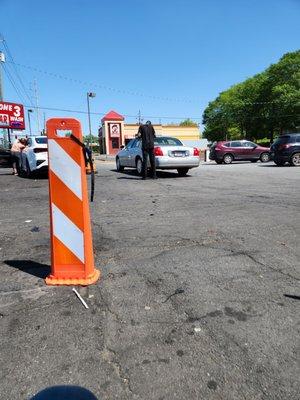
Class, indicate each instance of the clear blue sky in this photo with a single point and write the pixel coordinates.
(184, 52)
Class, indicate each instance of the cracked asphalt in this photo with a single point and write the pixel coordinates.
(191, 303)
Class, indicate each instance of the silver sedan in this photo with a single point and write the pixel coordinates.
(169, 153)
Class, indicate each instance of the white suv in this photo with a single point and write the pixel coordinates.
(35, 155)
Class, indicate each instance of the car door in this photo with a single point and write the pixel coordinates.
(134, 152)
(248, 151)
(125, 154)
(30, 155)
(236, 149)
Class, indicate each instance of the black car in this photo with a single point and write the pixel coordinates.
(286, 149)
(5, 157)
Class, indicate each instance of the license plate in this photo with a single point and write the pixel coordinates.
(179, 154)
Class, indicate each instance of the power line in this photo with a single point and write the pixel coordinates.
(99, 113)
(104, 87)
(12, 62)
(145, 116)
(13, 83)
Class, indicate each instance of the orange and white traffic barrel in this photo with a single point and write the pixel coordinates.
(72, 258)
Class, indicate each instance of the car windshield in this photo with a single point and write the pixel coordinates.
(167, 141)
(41, 140)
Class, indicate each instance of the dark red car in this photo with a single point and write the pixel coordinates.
(238, 150)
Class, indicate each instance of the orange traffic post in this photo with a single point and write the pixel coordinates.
(72, 258)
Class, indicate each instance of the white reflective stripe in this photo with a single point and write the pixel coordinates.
(68, 233)
(65, 168)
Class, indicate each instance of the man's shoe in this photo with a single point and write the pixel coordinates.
(154, 177)
(144, 178)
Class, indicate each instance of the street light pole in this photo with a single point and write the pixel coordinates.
(2, 61)
(29, 122)
(88, 95)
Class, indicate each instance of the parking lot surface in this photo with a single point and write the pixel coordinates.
(191, 303)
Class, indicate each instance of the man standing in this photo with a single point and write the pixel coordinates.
(147, 134)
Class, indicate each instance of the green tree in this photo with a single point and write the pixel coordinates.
(86, 139)
(266, 104)
(188, 122)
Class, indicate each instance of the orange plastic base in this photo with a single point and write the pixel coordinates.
(52, 280)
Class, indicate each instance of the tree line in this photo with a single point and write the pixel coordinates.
(262, 107)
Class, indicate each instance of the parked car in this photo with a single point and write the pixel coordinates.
(286, 149)
(34, 157)
(5, 157)
(169, 152)
(238, 150)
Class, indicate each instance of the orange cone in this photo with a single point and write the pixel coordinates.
(72, 259)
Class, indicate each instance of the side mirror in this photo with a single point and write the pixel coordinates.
(122, 147)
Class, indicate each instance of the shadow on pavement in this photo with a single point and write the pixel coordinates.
(31, 267)
(160, 174)
(274, 165)
(36, 175)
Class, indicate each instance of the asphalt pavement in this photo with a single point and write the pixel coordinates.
(192, 302)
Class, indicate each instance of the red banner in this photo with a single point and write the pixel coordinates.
(12, 115)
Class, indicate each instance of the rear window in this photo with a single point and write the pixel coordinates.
(167, 141)
(41, 140)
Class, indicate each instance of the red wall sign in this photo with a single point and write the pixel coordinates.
(11, 115)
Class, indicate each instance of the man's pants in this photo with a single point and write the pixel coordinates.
(150, 153)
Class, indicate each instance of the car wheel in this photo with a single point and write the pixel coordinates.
(139, 165)
(219, 161)
(228, 158)
(182, 171)
(265, 157)
(253, 161)
(120, 168)
(295, 160)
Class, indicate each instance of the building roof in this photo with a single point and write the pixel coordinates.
(112, 116)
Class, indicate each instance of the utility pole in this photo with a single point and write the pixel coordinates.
(29, 122)
(35, 88)
(140, 119)
(44, 128)
(2, 61)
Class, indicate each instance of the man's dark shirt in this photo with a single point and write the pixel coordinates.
(147, 133)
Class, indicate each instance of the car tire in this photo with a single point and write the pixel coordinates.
(295, 160)
(228, 158)
(139, 165)
(219, 161)
(265, 157)
(119, 167)
(182, 171)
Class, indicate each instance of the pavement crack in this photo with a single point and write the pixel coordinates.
(109, 309)
(279, 271)
(111, 357)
